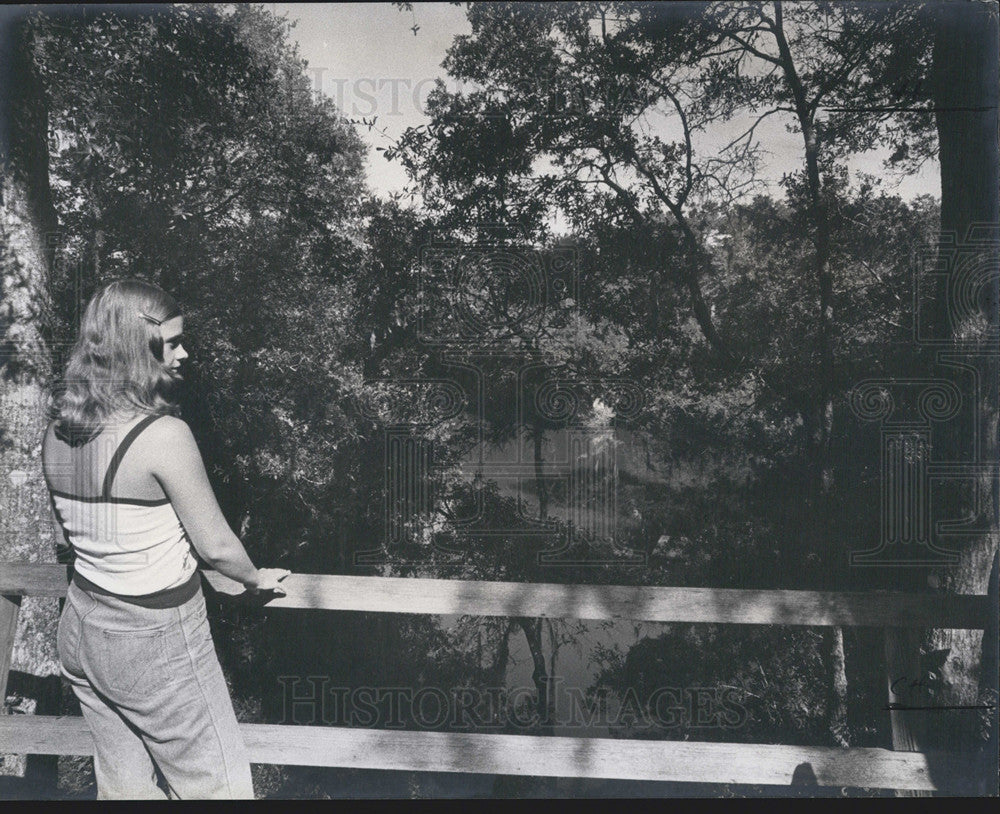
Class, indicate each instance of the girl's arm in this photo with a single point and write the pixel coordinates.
(177, 466)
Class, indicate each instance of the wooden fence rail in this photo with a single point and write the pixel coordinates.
(537, 599)
(613, 758)
(678, 761)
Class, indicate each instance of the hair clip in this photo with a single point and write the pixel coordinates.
(147, 317)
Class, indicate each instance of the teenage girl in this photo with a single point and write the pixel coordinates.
(131, 497)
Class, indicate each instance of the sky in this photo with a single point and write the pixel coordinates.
(369, 60)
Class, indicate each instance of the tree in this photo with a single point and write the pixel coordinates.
(964, 84)
(27, 223)
(209, 166)
(815, 61)
(581, 110)
(608, 128)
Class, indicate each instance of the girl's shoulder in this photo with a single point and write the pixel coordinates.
(167, 423)
(169, 448)
(168, 429)
(157, 445)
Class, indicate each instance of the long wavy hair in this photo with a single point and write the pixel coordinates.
(117, 362)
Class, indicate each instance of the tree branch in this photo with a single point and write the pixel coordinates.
(687, 138)
(751, 49)
(750, 130)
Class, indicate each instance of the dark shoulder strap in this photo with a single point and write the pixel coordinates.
(116, 460)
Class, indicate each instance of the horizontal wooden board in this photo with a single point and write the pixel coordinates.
(33, 579)
(676, 761)
(639, 603)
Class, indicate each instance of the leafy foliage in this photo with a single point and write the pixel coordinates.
(187, 147)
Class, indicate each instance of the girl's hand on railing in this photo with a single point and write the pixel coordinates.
(268, 579)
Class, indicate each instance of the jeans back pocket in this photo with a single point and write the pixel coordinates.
(134, 661)
(68, 640)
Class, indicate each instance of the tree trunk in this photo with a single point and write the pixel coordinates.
(496, 675)
(836, 690)
(965, 88)
(821, 419)
(533, 627)
(818, 214)
(27, 223)
(540, 675)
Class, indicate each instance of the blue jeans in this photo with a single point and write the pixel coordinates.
(152, 693)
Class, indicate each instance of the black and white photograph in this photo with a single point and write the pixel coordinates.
(425, 401)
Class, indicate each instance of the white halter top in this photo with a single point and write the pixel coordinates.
(126, 546)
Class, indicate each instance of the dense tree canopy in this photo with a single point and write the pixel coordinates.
(587, 258)
(202, 160)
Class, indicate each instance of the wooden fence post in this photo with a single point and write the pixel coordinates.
(10, 606)
(905, 689)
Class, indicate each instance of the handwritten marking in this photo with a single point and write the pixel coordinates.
(904, 707)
